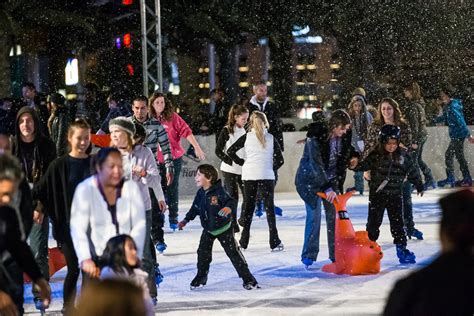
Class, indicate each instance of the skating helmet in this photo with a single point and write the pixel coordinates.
(389, 132)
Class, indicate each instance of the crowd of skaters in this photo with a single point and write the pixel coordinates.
(87, 206)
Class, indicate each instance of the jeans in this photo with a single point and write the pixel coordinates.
(172, 192)
(456, 148)
(313, 223)
(359, 181)
(148, 261)
(417, 156)
(39, 247)
(250, 196)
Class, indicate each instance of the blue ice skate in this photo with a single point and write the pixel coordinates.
(307, 262)
(158, 276)
(161, 247)
(278, 211)
(416, 234)
(448, 181)
(259, 209)
(174, 226)
(404, 255)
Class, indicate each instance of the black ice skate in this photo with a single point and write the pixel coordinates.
(252, 285)
(199, 281)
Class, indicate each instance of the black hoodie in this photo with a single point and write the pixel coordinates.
(43, 151)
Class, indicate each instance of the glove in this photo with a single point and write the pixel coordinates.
(225, 211)
(182, 224)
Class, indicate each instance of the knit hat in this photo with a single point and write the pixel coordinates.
(124, 123)
(359, 91)
(57, 99)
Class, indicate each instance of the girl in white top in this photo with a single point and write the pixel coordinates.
(232, 172)
(262, 157)
(141, 169)
(104, 206)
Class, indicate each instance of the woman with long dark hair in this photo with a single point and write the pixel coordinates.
(56, 190)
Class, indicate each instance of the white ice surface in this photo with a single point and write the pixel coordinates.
(287, 288)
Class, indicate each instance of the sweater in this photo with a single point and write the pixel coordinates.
(259, 163)
(54, 192)
(176, 128)
(225, 140)
(91, 221)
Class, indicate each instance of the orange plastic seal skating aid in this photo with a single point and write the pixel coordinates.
(355, 253)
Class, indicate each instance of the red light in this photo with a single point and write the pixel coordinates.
(127, 2)
(127, 40)
(130, 69)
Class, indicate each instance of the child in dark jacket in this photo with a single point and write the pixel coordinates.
(214, 207)
(389, 166)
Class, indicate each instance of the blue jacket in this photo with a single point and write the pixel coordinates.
(207, 205)
(310, 171)
(453, 117)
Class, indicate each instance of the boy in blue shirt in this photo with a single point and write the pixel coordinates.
(214, 207)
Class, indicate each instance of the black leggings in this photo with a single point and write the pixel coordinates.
(72, 275)
(232, 183)
(266, 187)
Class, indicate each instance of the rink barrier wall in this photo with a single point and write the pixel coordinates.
(433, 155)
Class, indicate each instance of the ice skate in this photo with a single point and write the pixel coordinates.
(161, 247)
(307, 262)
(416, 234)
(278, 248)
(259, 209)
(404, 255)
(199, 281)
(448, 181)
(158, 276)
(278, 211)
(251, 285)
(430, 184)
(465, 182)
(173, 226)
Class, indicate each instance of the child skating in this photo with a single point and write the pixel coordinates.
(389, 165)
(214, 207)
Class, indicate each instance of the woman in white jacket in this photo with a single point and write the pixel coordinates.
(139, 167)
(232, 172)
(262, 157)
(104, 205)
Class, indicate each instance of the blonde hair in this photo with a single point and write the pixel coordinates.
(258, 124)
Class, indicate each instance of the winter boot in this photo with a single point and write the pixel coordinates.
(416, 234)
(450, 180)
(199, 281)
(278, 211)
(161, 247)
(251, 285)
(465, 182)
(307, 262)
(259, 209)
(404, 255)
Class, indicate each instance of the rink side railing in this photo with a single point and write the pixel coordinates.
(433, 155)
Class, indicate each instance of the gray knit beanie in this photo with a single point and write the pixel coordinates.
(124, 123)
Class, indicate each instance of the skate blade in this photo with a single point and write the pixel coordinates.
(192, 288)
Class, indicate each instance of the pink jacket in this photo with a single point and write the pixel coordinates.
(176, 128)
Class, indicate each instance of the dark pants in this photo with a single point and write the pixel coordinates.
(172, 192)
(417, 156)
(251, 187)
(72, 275)
(14, 284)
(148, 259)
(456, 148)
(232, 183)
(231, 249)
(39, 247)
(377, 205)
(408, 208)
(157, 220)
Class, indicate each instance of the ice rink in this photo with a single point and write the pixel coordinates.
(287, 288)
